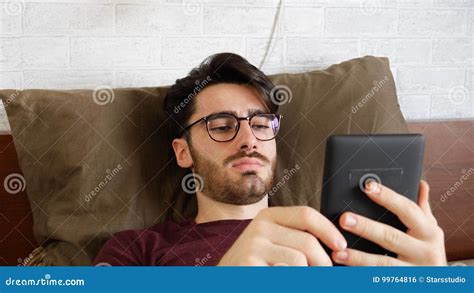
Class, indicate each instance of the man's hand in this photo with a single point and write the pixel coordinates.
(422, 244)
(285, 236)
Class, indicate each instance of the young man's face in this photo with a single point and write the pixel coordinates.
(239, 171)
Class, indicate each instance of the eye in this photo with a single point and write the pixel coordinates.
(260, 126)
(220, 128)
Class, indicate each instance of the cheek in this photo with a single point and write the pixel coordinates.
(270, 151)
(209, 150)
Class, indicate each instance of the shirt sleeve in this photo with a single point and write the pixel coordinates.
(122, 249)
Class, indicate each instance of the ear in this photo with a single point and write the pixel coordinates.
(181, 150)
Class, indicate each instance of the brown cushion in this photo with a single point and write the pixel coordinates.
(98, 163)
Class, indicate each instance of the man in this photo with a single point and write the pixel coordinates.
(225, 133)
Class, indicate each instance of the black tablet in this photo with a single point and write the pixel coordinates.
(395, 160)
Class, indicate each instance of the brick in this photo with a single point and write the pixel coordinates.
(415, 107)
(429, 79)
(320, 51)
(191, 51)
(256, 48)
(453, 107)
(114, 51)
(68, 79)
(453, 3)
(399, 51)
(365, 4)
(10, 23)
(240, 2)
(304, 21)
(432, 22)
(357, 21)
(52, 18)
(154, 19)
(139, 78)
(470, 78)
(28, 52)
(238, 20)
(453, 51)
(11, 80)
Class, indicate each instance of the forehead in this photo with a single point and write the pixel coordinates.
(228, 97)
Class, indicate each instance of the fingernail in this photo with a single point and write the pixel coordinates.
(341, 243)
(372, 187)
(342, 255)
(350, 221)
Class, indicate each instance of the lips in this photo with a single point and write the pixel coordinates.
(247, 164)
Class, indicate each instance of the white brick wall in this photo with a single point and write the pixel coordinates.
(125, 43)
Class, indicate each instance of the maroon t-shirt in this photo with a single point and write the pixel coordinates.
(172, 244)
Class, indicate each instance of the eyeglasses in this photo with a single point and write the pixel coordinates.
(223, 127)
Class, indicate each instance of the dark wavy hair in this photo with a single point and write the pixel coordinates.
(215, 69)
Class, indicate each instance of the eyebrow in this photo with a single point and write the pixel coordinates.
(250, 112)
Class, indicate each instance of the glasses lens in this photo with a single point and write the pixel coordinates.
(222, 127)
(265, 126)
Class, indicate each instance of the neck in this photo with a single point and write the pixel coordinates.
(211, 210)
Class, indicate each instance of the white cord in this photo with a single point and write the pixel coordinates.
(273, 35)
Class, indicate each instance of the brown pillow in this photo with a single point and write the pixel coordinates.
(98, 162)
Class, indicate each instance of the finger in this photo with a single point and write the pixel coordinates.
(308, 219)
(424, 199)
(278, 255)
(423, 195)
(303, 242)
(382, 234)
(409, 213)
(352, 257)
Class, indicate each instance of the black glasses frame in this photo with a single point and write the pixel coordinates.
(248, 118)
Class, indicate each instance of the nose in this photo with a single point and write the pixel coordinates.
(245, 138)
